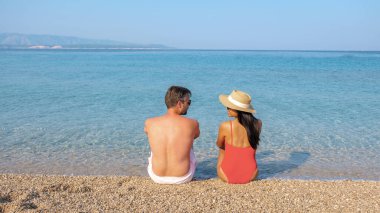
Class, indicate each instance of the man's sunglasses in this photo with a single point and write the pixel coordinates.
(188, 102)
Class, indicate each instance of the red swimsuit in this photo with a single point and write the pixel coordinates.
(238, 164)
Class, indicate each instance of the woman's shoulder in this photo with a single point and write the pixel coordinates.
(224, 125)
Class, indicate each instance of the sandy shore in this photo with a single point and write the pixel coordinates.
(139, 194)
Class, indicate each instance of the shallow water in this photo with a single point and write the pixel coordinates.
(82, 112)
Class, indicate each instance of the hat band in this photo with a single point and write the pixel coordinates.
(237, 103)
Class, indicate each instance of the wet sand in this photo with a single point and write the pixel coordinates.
(139, 194)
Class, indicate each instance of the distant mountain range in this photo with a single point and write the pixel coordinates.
(17, 41)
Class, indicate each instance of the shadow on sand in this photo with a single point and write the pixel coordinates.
(268, 169)
(206, 169)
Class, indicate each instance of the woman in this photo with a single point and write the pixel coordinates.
(238, 140)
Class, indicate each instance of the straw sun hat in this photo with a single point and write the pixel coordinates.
(237, 100)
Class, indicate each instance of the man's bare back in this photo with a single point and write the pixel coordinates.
(171, 137)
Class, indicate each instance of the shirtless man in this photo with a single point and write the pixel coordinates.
(171, 138)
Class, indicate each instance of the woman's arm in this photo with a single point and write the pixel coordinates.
(221, 137)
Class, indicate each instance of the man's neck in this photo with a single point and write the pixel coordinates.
(173, 111)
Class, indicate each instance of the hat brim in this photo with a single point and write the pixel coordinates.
(224, 100)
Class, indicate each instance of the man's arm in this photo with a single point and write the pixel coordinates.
(146, 127)
(197, 131)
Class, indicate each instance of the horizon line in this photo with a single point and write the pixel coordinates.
(188, 49)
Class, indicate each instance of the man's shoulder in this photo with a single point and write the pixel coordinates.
(191, 120)
(152, 119)
(164, 118)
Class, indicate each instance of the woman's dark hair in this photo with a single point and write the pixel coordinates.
(250, 124)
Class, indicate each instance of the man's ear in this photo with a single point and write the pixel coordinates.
(179, 104)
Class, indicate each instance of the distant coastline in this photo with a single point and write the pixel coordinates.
(24, 41)
(41, 47)
(9, 41)
(57, 47)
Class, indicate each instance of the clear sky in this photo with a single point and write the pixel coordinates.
(206, 24)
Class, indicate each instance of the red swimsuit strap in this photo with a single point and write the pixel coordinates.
(232, 138)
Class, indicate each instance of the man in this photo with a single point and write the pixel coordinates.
(171, 138)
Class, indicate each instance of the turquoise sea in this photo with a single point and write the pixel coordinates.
(82, 112)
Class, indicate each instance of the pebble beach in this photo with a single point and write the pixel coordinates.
(41, 193)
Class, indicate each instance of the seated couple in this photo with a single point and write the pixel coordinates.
(171, 138)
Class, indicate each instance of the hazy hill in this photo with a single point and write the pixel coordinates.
(16, 40)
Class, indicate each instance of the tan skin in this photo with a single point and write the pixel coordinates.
(240, 140)
(171, 138)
